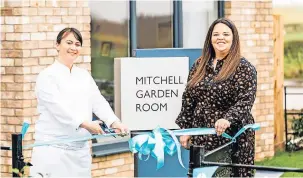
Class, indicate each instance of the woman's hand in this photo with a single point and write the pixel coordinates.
(221, 125)
(184, 140)
(92, 126)
(120, 128)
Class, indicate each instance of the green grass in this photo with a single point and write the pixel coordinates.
(293, 58)
(293, 36)
(285, 159)
(292, 68)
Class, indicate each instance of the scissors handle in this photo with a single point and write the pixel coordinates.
(106, 129)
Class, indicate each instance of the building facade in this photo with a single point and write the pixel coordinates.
(113, 29)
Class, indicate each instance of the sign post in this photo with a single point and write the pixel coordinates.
(150, 91)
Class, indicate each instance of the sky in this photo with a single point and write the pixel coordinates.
(287, 2)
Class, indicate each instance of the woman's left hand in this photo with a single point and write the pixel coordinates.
(221, 125)
(120, 128)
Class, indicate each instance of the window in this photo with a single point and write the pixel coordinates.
(109, 39)
(154, 24)
(197, 17)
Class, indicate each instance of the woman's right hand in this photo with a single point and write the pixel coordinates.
(184, 140)
(93, 127)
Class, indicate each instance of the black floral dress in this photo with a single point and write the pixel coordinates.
(232, 99)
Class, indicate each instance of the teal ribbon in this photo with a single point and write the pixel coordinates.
(157, 143)
(163, 141)
(25, 126)
(70, 139)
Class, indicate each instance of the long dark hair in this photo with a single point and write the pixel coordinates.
(63, 33)
(231, 60)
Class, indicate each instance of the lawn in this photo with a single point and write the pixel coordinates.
(294, 37)
(285, 159)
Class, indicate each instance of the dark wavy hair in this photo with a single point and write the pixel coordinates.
(231, 60)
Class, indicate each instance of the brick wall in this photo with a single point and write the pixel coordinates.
(28, 32)
(118, 165)
(254, 21)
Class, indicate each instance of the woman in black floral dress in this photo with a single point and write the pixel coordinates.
(220, 93)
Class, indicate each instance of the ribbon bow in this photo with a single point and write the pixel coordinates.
(161, 141)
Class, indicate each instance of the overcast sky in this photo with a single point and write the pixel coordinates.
(287, 2)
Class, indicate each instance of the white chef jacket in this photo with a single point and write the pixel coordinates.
(66, 98)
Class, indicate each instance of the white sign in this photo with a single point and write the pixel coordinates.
(150, 91)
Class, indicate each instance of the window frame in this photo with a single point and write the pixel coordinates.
(121, 146)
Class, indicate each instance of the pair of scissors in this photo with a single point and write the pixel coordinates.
(106, 129)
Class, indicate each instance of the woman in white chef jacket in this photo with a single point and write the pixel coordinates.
(67, 96)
